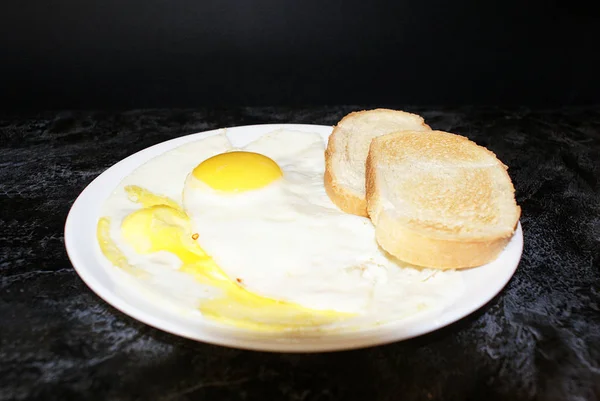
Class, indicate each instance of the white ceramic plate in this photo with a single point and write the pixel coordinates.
(481, 284)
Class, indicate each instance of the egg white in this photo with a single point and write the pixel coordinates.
(163, 175)
(286, 241)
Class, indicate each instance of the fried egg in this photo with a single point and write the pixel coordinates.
(248, 237)
(264, 217)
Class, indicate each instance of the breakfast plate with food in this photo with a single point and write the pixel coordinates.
(300, 238)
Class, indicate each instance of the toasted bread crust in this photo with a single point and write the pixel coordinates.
(340, 196)
(424, 247)
(421, 250)
(347, 200)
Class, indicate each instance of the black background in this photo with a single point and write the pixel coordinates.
(115, 54)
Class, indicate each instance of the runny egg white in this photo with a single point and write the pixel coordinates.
(280, 234)
(248, 237)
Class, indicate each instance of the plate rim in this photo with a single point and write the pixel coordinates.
(212, 336)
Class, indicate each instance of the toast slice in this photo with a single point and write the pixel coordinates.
(347, 152)
(439, 200)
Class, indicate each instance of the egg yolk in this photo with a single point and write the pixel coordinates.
(161, 225)
(161, 228)
(237, 171)
(112, 252)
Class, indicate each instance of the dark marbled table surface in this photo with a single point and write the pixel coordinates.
(539, 339)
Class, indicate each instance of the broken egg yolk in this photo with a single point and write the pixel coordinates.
(162, 225)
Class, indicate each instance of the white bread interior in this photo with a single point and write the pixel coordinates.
(347, 151)
(439, 200)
